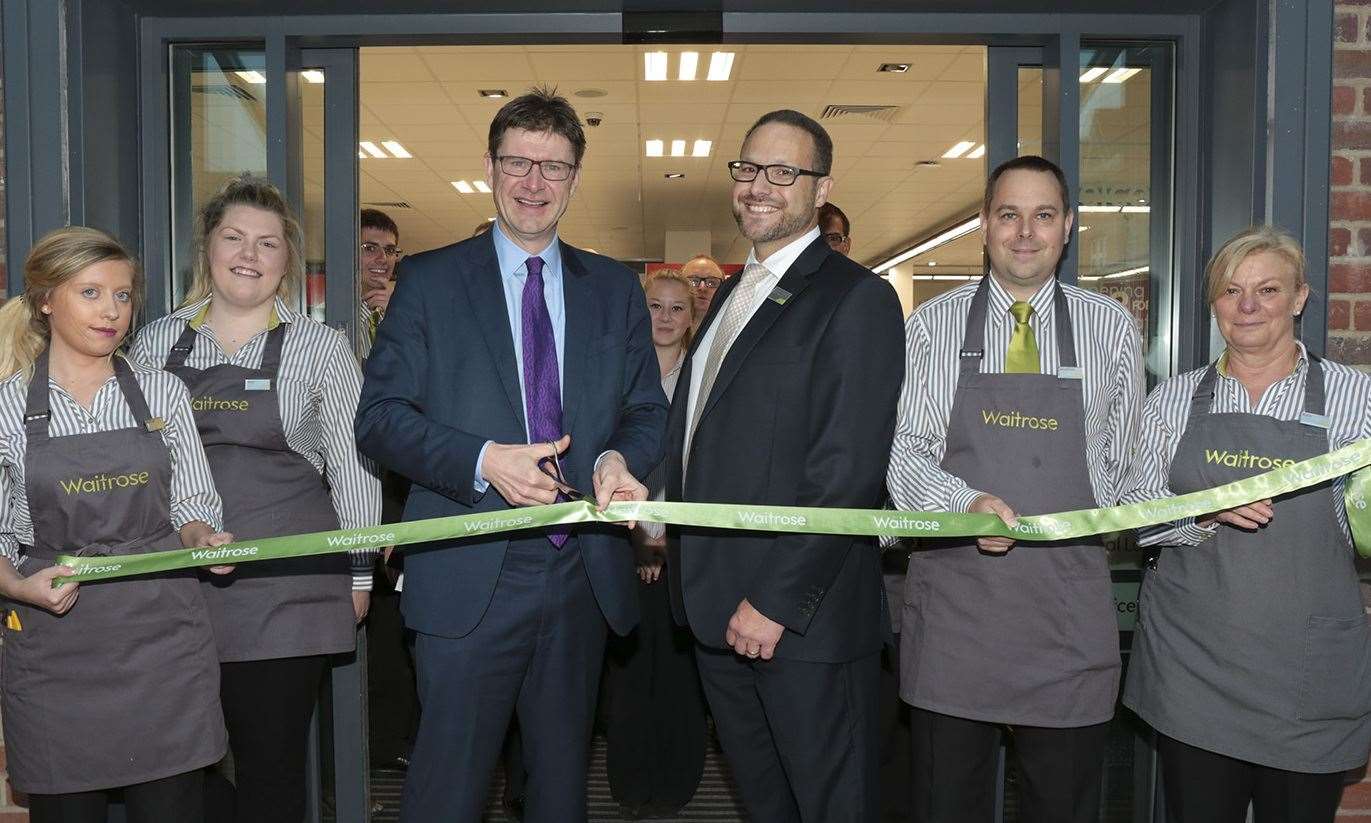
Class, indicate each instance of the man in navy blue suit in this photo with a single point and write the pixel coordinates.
(504, 360)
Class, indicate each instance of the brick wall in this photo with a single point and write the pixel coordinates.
(1349, 231)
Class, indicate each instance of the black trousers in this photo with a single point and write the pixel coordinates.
(954, 770)
(801, 737)
(1204, 787)
(537, 651)
(180, 797)
(267, 706)
(656, 730)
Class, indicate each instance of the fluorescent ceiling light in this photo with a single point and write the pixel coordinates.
(312, 76)
(1120, 75)
(720, 65)
(396, 150)
(960, 230)
(373, 149)
(674, 175)
(958, 150)
(977, 153)
(1135, 209)
(254, 77)
(463, 186)
(1098, 209)
(690, 61)
(493, 94)
(653, 148)
(701, 148)
(361, 155)
(1091, 75)
(481, 186)
(1127, 273)
(1083, 228)
(654, 65)
(678, 148)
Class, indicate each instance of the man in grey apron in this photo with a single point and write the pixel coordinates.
(997, 634)
(292, 611)
(122, 689)
(1254, 645)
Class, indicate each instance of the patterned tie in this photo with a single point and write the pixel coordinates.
(1022, 355)
(542, 393)
(731, 320)
(373, 320)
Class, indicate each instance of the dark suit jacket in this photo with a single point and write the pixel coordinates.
(442, 379)
(802, 413)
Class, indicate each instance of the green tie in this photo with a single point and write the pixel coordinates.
(1022, 355)
(374, 320)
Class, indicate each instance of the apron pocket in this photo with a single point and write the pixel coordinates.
(1335, 684)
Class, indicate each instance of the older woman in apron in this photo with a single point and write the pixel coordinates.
(111, 685)
(1252, 646)
(274, 397)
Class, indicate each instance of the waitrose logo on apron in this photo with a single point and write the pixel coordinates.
(208, 403)
(101, 483)
(1017, 420)
(1244, 460)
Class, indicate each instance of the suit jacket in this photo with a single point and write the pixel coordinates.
(442, 379)
(802, 413)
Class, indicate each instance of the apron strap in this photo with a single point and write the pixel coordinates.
(1314, 390)
(133, 393)
(181, 349)
(973, 341)
(271, 351)
(37, 407)
(1203, 398)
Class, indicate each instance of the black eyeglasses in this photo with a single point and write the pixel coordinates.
(377, 248)
(833, 238)
(712, 282)
(553, 171)
(776, 173)
(552, 467)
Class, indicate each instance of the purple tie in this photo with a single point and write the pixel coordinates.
(542, 394)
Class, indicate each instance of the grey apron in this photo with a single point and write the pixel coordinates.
(273, 608)
(1027, 637)
(124, 687)
(1255, 645)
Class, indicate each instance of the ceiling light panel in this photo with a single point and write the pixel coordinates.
(654, 65)
(689, 63)
(701, 148)
(1092, 74)
(373, 150)
(960, 149)
(312, 76)
(481, 186)
(678, 148)
(720, 65)
(1120, 75)
(653, 148)
(396, 150)
(463, 186)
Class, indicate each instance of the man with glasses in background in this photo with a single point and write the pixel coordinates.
(837, 231)
(706, 276)
(376, 273)
(788, 398)
(513, 369)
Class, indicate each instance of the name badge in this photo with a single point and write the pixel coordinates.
(1070, 373)
(256, 384)
(155, 424)
(1317, 420)
(778, 296)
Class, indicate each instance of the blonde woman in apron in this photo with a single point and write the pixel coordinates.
(1251, 653)
(111, 685)
(274, 397)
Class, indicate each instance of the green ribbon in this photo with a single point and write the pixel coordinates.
(857, 522)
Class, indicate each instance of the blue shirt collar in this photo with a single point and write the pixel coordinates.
(512, 258)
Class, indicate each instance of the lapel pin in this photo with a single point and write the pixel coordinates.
(778, 296)
(155, 424)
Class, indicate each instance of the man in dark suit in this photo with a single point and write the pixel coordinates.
(788, 399)
(504, 360)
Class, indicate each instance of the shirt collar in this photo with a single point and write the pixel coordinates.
(1041, 301)
(1301, 361)
(512, 258)
(783, 258)
(195, 313)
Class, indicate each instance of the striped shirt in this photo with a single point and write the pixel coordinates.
(317, 395)
(1347, 405)
(192, 485)
(1108, 350)
(366, 315)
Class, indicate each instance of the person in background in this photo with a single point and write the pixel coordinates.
(1252, 646)
(380, 251)
(275, 393)
(995, 634)
(705, 277)
(115, 684)
(656, 729)
(511, 368)
(836, 230)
